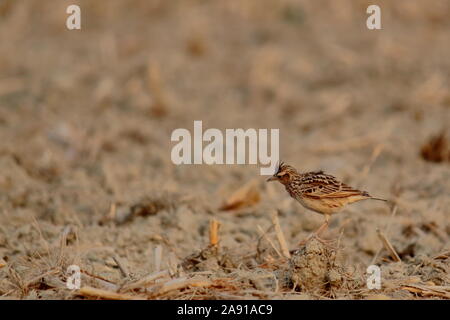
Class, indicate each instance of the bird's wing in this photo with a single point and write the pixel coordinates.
(321, 185)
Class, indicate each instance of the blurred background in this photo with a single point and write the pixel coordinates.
(86, 118)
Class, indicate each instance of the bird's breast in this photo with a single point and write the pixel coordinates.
(292, 191)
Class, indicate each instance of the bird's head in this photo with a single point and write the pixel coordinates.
(284, 174)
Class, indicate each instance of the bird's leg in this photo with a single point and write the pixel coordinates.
(323, 227)
(319, 231)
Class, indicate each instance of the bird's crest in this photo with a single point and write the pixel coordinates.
(283, 167)
(279, 167)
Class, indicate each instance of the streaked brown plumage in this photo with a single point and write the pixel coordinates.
(318, 191)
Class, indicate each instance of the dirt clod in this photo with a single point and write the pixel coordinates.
(313, 267)
(437, 148)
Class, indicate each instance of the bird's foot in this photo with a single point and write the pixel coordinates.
(327, 242)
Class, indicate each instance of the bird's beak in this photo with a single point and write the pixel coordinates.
(272, 178)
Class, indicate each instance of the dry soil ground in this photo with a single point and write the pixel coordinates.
(85, 170)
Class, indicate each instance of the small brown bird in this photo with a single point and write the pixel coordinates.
(318, 191)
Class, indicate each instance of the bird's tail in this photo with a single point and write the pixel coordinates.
(366, 194)
(378, 199)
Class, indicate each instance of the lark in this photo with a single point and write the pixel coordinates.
(318, 191)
